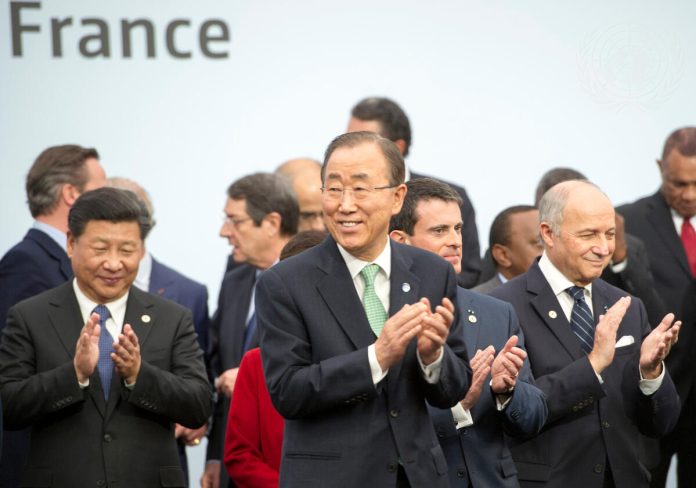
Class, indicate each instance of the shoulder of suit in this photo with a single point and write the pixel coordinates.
(176, 275)
(57, 294)
(640, 205)
(146, 298)
(480, 300)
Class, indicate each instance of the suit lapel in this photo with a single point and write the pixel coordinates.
(660, 218)
(472, 330)
(338, 291)
(141, 316)
(404, 288)
(550, 312)
(159, 280)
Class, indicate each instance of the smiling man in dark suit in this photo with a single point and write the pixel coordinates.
(502, 398)
(350, 342)
(665, 221)
(591, 351)
(100, 370)
(39, 262)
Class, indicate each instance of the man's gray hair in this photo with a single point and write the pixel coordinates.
(553, 203)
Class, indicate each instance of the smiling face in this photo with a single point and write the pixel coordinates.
(360, 226)
(105, 258)
(585, 243)
(438, 229)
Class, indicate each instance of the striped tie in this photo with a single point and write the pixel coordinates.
(374, 309)
(106, 346)
(581, 320)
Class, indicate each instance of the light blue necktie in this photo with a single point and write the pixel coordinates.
(374, 308)
(581, 319)
(105, 365)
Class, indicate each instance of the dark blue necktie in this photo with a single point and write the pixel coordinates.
(105, 365)
(249, 332)
(581, 319)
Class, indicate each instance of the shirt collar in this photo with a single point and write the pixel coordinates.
(356, 265)
(117, 307)
(57, 235)
(557, 280)
(142, 279)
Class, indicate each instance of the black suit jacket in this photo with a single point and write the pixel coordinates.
(471, 251)
(481, 450)
(78, 439)
(341, 430)
(226, 348)
(589, 422)
(36, 264)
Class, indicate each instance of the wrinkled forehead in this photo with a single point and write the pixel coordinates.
(594, 213)
(364, 162)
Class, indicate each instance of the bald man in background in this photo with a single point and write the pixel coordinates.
(305, 176)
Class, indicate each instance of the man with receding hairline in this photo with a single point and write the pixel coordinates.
(305, 176)
(591, 351)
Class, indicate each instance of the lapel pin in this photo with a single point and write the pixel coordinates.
(553, 314)
(145, 319)
(472, 316)
(405, 287)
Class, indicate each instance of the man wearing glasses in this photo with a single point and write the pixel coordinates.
(358, 332)
(261, 215)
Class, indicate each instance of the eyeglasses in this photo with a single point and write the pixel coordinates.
(234, 223)
(335, 192)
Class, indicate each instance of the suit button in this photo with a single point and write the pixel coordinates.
(391, 467)
(461, 473)
(515, 414)
(575, 408)
(394, 413)
(107, 438)
(101, 483)
(440, 433)
(69, 399)
(605, 424)
(598, 468)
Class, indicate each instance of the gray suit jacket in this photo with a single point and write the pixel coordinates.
(78, 439)
(341, 429)
(489, 285)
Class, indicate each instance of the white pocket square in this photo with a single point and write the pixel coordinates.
(626, 340)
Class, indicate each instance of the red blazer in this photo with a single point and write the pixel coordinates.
(254, 435)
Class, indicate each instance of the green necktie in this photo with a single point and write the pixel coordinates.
(374, 309)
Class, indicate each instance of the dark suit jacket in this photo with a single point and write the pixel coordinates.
(77, 438)
(341, 430)
(589, 423)
(481, 449)
(226, 348)
(34, 265)
(169, 283)
(471, 251)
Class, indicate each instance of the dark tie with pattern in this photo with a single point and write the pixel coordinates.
(250, 332)
(106, 346)
(581, 320)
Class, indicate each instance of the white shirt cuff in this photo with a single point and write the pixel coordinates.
(619, 267)
(83, 385)
(431, 372)
(377, 373)
(462, 416)
(648, 387)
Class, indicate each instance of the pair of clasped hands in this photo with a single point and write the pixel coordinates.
(126, 355)
(653, 350)
(431, 329)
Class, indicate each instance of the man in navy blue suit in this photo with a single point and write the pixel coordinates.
(39, 262)
(163, 281)
(591, 350)
(261, 215)
(355, 336)
(472, 432)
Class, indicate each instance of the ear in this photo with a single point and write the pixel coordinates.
(71, 245)
(400, 236)
(271, 222)
(399, 195)
(69, 194)
(546, 234)
(401, 144)
(501, 255)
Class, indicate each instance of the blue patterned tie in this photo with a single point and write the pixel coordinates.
(250, 332)
(105, 365)
(581, 319)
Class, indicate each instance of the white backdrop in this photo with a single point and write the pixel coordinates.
(497, 93)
